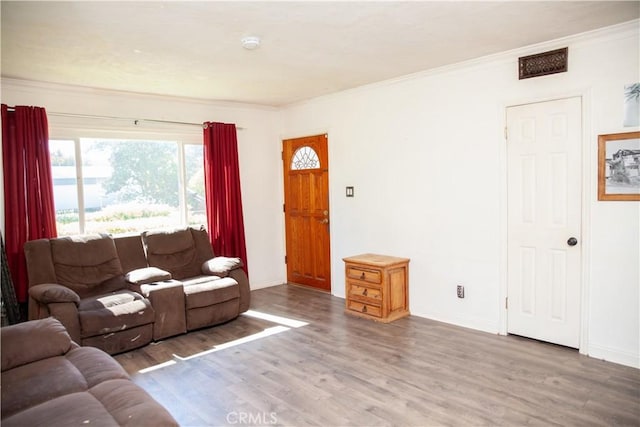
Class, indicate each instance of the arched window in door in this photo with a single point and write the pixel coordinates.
(305, 158)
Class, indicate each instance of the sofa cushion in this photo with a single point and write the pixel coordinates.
(203, 244)
(28, 388)
(173, 251)
(87, 264)
(130, 405)
(116, 402)
(79, 408)
(203, 291)
(131, 252)
(47, 338)
(83, 387)
(111, 312)
(95, 365)
(81, 368)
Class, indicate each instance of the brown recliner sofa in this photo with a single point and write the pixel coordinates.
(120, 293)
(47, 379)
(79, 280)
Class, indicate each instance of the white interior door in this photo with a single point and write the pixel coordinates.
(544, 220)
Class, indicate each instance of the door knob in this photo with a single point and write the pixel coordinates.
(572, 241)
(325, 221)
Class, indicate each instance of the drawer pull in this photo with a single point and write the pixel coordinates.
(364, 308)
(365, 292)
(362, 276)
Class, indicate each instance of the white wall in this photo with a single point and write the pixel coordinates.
(426, 155)
(258, 149)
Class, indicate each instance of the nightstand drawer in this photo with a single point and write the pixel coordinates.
(373, 276)
(371, 310)
(365, 293)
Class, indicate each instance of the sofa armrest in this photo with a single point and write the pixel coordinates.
(32, 341)
(49, 293)
(221, 266)
(240, 276)
(61, 303)
(146, 275)
(67, 314)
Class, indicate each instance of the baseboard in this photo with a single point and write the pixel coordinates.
(614, 355)
(255, 286)
(470, 322)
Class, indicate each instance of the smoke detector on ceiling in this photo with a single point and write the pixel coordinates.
(250, 42)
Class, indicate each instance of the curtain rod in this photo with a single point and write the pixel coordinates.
(135, 121)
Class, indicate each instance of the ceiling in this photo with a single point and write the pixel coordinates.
(193, 49)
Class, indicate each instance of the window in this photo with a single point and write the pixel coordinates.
(195, 198)
(305, 158)
(120, 186)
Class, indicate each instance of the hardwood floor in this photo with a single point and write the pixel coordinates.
(330, 369)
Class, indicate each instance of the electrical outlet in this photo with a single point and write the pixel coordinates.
(460, 291)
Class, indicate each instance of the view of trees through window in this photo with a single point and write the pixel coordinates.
(127, 185)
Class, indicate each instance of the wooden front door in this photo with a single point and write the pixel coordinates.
(306, 211)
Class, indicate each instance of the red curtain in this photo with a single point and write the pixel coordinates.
(28, 186)
(222, 190)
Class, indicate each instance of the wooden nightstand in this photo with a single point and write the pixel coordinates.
(377, 287)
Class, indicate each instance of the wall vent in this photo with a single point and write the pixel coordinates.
(542, 64)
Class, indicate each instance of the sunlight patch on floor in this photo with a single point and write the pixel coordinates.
(284, 324)
(292, 323)
(266, 333)
(158, 366)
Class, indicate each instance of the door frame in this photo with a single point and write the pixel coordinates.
(588, 152)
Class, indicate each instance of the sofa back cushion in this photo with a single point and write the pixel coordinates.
(203, 244)
(89, 265)
(39, 263)
(173, 251)
(31, 341)
(130, 252)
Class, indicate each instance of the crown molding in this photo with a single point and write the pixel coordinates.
(629, 29)
(148, 97)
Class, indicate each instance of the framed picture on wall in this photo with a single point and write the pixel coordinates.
(619, 166)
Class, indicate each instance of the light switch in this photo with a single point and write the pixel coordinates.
(350, 191)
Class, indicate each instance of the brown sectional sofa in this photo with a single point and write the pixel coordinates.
(121, 293)
(47, 379)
